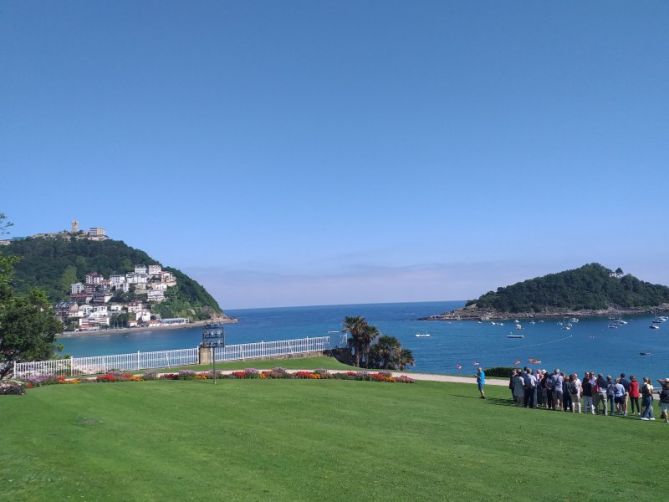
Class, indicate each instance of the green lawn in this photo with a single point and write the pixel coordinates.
(315, 440)
(295, 363)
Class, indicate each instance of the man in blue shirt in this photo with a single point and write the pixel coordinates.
(480, 381)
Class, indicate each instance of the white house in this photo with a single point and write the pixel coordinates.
(93, 278)
(135, 307)
(158, 286)
(116, 307)
(116, 280)
(77, 288)
(140, 269)
(155, 296)
(154, 270)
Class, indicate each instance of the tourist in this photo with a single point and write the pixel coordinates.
(588, 393)
(610, 394)
(634, 395)
(547, 390)
(567, 404)
(647, 400)
(574, 390)
(626, 384)
(513, 375)
(518, 388)
(480, 381)
(664, 400)
(530, 382)
(556, 382)
(619, 397)
(600, 395)
(540, 394)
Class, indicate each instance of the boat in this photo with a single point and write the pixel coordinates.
(422, 335)
(519, 326)
(654, 326)
(511, 335)
(574, 319)
(613, 325)
(532, 322)
(645, 354)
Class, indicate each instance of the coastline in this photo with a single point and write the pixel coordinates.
(166, 327)
(472, 313)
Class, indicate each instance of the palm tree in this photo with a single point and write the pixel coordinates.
(355, 326)
(405, 359)
(384, 352)
(369, 334)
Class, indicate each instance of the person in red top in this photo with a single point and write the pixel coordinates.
(634, 395)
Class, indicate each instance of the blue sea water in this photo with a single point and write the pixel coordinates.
(589, 345)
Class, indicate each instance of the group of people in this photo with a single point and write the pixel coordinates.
(593, 394)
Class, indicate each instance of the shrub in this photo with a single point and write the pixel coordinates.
(150, 375)
(187, 375)
(11, 388)
(279, 373)
(252, 373)
(499, 371)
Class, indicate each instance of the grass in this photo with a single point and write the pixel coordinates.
(295, 363)
(315, 440)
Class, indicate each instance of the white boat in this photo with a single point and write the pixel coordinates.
(613, 325)
(654, 326)
(422, 335)
(519, 326)
(574, 319)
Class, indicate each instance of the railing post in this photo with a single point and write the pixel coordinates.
(71, 366)
(138, 360)
(14, 370)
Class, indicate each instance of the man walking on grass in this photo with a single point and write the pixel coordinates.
(480, 381)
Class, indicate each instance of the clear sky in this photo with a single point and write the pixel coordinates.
(310, 152)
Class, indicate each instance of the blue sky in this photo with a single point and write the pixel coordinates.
(300, 152)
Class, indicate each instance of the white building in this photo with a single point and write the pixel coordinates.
(77, 288)
(116, 280)
(93, 278)
(135, 307)
(116, 307)
(154, 270)
(136, 278)
(158, 286)
(140, 269)
(155, 296)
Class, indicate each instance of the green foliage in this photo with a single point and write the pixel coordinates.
(499, 371)
(387, 353)
(589, 287)
(28, 329)
(51, 263)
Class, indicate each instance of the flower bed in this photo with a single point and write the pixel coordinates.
(246, 374)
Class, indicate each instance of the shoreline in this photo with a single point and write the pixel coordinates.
(166, 327)
(474, 314)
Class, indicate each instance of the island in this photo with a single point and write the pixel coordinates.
(589, 291)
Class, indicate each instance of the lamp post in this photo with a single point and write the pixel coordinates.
(213, 336)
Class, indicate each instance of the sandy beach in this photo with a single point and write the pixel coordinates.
(162, 327)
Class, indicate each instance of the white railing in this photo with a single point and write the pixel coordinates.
(171, 358)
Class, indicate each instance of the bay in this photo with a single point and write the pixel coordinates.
(589, 345)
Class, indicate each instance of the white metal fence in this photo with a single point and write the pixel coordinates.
(170, 358)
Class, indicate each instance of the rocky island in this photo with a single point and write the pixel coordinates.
(588, 291)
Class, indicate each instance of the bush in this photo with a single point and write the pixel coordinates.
(499, 371)
(11, 388)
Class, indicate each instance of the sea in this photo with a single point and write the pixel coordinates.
(452, 347)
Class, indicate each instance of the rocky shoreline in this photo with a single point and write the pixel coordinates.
(473, 313)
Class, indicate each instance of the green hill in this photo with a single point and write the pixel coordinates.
(591, 287)
(53, 263)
